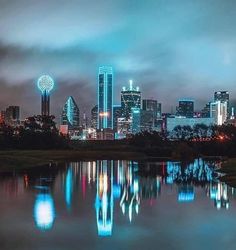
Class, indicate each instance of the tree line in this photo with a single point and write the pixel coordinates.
(37, 132)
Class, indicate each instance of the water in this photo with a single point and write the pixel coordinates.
(117, 205)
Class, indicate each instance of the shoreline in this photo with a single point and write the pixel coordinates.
(22, 159)
(32, 158)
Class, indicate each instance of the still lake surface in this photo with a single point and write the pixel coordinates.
(117, 205)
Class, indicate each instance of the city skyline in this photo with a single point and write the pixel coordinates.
(185, 48)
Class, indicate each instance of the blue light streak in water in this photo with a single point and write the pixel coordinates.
(69, 187)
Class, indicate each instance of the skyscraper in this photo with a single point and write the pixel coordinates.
(205, 113)
(130, 98)
(94, 117)
(45, 84)
(186, 108)
(152, 106)
(12, 115)
(136, 117)
(149, 105)
(218, 111)
(116, 115)
(223, 96)
(105, 97)
(70, 114)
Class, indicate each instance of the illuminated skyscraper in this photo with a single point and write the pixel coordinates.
(70, 114)
(136, 117)
(45, 84)
(105, 98)
(130, 98)
(223, 96)
(218, 111)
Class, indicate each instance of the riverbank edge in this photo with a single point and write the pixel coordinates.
(15, 159)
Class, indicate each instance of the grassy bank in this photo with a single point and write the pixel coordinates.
(30, 158)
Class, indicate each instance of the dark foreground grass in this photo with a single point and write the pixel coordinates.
(31, 158)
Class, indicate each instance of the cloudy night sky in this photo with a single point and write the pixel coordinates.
(170, 48)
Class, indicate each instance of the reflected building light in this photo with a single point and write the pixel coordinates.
(158, 181)
(44, 211)
(116, 191)
(186, 194)
(130, 200)
(130, 212)
(213, 191)
(222, 200)
(104, 199)
(94, 171)
(69, 187)
(26, 180)
(169, 180)
(89, 172)
(120, 173)
(136, 187)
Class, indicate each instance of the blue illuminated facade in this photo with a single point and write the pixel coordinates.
(130, 98)
(70, 114)
(105, 98)
(136, 116)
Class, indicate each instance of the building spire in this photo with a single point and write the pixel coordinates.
(131, 84)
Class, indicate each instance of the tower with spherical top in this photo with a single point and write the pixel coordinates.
(45, 84)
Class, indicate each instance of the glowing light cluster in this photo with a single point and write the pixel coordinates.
(104, 114)
(44, 212)
(45, 83)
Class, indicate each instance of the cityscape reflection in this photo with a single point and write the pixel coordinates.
(117, 187)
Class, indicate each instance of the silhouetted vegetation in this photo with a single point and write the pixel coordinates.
(37, 132)
(40, 132)
(187, 142)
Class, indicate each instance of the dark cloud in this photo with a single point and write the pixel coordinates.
(170, 48)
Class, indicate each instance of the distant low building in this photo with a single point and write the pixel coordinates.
(172, 122)
(105, 134)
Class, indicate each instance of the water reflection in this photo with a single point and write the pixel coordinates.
(104, 198)
(44, 211)
(115, 187)
(69, 187)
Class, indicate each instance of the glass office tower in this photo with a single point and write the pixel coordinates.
(105, 98)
